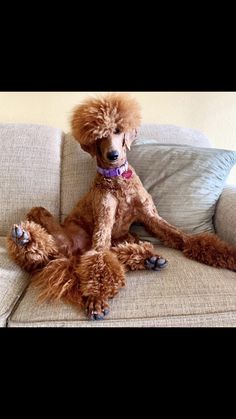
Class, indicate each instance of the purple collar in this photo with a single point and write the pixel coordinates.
(117, 171)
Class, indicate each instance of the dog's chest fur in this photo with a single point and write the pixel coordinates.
(130, 195)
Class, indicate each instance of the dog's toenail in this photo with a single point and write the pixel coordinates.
(17, 231)
(161, 261)
(25, 235)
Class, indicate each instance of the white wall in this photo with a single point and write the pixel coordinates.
(212, 113)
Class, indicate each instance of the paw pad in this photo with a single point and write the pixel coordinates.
(156, 263)
(20, 236)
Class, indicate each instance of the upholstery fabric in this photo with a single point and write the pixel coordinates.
(13, 282)
(30, 160)
(225, 215)
(78, 171)
(172, 134)
(186, 293)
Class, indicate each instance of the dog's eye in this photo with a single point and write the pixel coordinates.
(98, 148)
(117, 131)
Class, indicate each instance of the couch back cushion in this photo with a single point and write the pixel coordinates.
(79, 169)
(30, 158)
(172, 134)
(77, 174)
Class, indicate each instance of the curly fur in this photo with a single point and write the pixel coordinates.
(59, 280)
(100, 273)
(99, 117)
(132, 255)
(93, 248)
(209, 249)
(39, 252)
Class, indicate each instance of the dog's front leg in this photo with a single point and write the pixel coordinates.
(160, 228)
(104, 211)
(100, 272)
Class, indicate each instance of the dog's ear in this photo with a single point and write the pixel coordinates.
(130, 137)
(91, 149)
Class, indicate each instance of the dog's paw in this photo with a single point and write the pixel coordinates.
(156, 263)
(20, 236)
(96, 309)
(95, 315)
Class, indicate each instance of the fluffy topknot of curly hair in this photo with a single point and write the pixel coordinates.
(98, 117)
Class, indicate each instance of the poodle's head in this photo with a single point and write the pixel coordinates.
(105, 126)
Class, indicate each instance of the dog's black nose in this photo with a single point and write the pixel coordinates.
(113, 155)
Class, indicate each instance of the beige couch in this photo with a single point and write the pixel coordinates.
(40, 165)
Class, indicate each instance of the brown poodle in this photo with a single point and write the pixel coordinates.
(84, 260)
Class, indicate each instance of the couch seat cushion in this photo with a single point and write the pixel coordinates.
(13, 282)
(187, 294)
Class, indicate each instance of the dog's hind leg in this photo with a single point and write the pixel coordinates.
(35, 242)
(140, 256)
(170, 235)
(45, 219)
(127, 238)
(205, 248)
(30, 246)
(211, 250)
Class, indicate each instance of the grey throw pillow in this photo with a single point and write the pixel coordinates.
(184, 181)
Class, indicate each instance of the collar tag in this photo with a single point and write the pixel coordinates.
(128, 174)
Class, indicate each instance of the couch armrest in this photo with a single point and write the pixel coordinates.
(225, 215)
